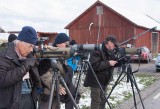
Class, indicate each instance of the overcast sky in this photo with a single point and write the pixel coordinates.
(54, 15)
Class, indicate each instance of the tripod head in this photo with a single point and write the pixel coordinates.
(54, 65)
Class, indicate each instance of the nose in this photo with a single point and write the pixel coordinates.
(31, 49)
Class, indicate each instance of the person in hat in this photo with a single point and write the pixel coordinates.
(72, 42)
(61, 41)
(11, 38)
(19, 75)
(102, 62)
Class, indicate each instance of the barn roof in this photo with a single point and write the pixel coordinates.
(135, 18)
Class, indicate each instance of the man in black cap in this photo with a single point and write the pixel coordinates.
(102, 63)
(19, 76)
(61, 41)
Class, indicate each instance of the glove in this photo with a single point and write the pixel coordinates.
(29, 63)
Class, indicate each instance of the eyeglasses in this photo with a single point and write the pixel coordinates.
(29, 45)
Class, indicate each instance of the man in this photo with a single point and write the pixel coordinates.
(61, 41)
(19, 76)
(102, 63)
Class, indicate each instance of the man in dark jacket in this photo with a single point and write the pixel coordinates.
(102, 63)
(19, 77)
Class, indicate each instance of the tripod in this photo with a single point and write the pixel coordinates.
(56, 78)
(131, 79)
(85, 62)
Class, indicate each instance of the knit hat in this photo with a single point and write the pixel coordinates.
(12, 37)
(28, 34)
(113, 39)
(61, 38)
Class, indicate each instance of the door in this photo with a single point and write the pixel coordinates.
(155, 44)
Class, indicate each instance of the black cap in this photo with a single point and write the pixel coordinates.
(113, 39)
(12, 37)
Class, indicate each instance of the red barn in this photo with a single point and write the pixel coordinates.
(100, 20)
(48, 37)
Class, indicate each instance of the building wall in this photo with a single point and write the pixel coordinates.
(50, 36)
(144, 39)
(111, 23)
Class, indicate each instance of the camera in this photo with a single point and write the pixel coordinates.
(43, 51)
(123, 55)
(128, 51)
(87, 47)
(54, 52)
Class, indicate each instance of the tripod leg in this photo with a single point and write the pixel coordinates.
(79, 80)
(98, 83)
(133, 81)
(116, 83)
(68, 92)
(54, 78)
(130, 78)
(138, 92)
(57, 93)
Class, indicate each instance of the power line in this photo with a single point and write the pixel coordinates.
(153, 19)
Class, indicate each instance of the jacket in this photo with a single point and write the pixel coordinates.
(99, 61)
(11, 74)
(47, 82)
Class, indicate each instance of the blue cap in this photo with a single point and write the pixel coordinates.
(28, 34)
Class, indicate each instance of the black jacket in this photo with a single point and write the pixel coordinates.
(100, 63)
(11, 74)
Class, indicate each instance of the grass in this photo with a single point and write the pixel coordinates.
(146, 80)
(121, 92)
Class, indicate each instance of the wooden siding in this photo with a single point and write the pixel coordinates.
(111, 23)
(51, 37)
(143, 40)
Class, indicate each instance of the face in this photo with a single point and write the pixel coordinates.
(110, 45)
(24, 48)
(63, 45)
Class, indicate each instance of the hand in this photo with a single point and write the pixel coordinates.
(62, 91)
(112, 62)
(29, 63)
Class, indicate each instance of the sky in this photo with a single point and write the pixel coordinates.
(54, 15)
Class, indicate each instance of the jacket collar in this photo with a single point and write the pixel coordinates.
(11, 53)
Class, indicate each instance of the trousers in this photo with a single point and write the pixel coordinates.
(98, 100)
(27, 102)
